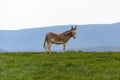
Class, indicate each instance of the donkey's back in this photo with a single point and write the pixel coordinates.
(54, 38)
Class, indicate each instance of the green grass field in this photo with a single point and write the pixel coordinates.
(60, 66)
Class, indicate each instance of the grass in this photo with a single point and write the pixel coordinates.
(60, 66)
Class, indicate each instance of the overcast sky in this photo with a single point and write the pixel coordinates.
(20, 14)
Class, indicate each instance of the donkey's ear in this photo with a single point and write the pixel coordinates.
(75, 27)
(72, 27)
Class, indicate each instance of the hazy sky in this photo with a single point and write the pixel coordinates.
(19, 14)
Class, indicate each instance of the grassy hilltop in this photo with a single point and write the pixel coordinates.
(60, 66)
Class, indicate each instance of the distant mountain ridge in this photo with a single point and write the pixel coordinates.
(88, 36)
(2, 50)
(102, 49)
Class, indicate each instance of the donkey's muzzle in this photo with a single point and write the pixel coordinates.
(74, 36)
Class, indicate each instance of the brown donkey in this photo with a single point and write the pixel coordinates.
(52, 38)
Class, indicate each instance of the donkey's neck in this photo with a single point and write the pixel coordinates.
(67, 36)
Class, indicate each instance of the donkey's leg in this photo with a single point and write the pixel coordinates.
(49, 47)
(64, 46)
(46, 47)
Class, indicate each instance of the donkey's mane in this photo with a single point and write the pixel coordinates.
(68, 31)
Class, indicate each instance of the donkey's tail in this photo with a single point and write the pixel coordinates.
(44, 43)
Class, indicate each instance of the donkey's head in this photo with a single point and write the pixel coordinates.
(73, 31)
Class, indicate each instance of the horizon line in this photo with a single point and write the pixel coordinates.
(58, 25)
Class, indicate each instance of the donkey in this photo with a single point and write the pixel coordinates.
(63, 38)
